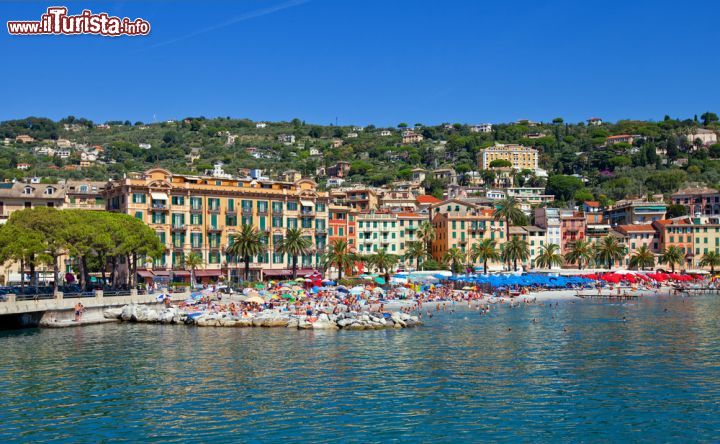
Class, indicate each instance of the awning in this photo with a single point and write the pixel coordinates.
(161, 273)
(181, 273)
(145, 274)
(277, 273)
(307, 203)
(208, 273)
(159, 196)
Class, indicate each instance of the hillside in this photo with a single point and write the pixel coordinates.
(660, 158)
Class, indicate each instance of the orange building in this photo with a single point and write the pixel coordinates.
(464, 229)
(341, 225)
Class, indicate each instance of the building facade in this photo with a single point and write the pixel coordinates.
(193, 214)
(521, 157)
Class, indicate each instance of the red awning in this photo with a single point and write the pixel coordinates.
(277, 273)
(162, 273)
(208, 273)
(181, 273)
(145, 274)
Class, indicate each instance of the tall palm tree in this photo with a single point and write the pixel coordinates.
(193, 261)
(608, 251)
(294, 244)
(549, 256)
(485, 250)
(247, 243)
(710, 259)
(456, 258)
(339, 255)
(581, 252)
(508, 210)
(414, 251)
(384, 262)
(515, 250)
(642, 258)
(672, 255)
(427, 234)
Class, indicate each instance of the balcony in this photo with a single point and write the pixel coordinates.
(214, 210)
(307, 214)
(277, 212)
(321, 232)
(158, 207)
(179, 227)
(178, 247)
(196, 209)
(231, 212)
(197, 247)
(212, 229)
(262, 212)
(247, 211)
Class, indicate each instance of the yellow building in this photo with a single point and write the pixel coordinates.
(521, 157)
(463, 229)
(199, 214)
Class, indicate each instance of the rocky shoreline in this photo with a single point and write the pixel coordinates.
(345, 320)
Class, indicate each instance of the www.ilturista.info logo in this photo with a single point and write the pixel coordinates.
(56, 21)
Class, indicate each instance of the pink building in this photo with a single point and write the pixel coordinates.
(572, 228)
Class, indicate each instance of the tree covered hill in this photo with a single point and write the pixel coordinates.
(661, 158)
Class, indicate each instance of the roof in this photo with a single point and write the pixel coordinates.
(696, 190)
(427, 199)
(619, 136)
(592, 203)
(644, 228)
(410, 215)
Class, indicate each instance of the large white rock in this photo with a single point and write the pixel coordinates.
(324, 325)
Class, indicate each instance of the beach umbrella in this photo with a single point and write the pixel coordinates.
(255, 300)
(357, 290)
(380, 280)
(259, 286)
(342, 290)
(286, 296)
(467, 288)
(378, 290)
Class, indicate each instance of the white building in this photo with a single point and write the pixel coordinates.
(145, 146)
(706, 136)
(481, 128)
(287, 139)
(335, 182)
(261, 125)
(385, 133)
(352, 135)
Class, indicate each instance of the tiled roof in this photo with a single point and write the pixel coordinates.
(427, 199)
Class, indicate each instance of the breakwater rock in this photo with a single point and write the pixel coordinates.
(265, 319)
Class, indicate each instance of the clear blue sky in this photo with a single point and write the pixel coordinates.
(370, 61)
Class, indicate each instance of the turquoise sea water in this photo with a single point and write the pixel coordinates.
(461, 377)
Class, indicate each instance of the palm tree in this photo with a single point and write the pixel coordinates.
(247, 243)
(549, 256)
(427, 234)
(339, 256)
(455, 257)
(484, 251)
(414, 251)
(672, 255)
(608, 251)
(642, 258)
(710, 259)
(294, 245)
(384, 262)
(580, 252)
(193, 261)
(515, 250)
(508, 209)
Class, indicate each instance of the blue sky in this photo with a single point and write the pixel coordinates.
(371, 61)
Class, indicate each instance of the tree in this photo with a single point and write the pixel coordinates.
(676, 210)
(708, 118)
(642, 258)
(384, 262)
(581, 252)
(500, 163)
(340, 256)
(415, 251)
(710, 259)
(247, 243)
(508, 209)
(427, 234)
(456, 258)
(485, 250)
(515, 250)
(564, 187)
(193, 261)
(549, 256)
(294, 244)
(609, 250)
(672, 256)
